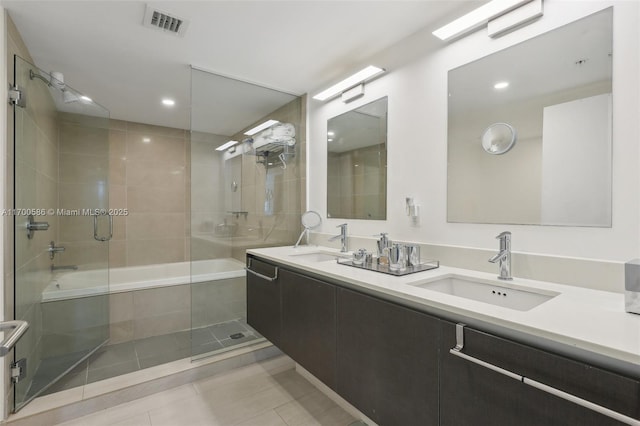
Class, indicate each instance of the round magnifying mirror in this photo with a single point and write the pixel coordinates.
(499, 138)
(310, 220)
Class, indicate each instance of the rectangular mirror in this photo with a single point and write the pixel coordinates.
(554, 92)
(357, 163)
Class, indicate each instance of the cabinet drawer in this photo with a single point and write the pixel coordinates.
(263, 299)
(481, 388)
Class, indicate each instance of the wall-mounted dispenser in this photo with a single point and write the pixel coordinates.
(413, 209)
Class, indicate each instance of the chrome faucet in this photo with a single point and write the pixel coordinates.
(504, 256)
(53, 249)
(342, 236)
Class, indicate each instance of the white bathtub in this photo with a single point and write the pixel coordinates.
(74, 284)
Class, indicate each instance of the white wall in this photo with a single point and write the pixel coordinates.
(417, 147)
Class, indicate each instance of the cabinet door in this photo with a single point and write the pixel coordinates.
(263, 299)
(387, 360)
(471, 394)
(309, 324)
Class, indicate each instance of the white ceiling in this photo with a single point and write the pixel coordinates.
(294, 46)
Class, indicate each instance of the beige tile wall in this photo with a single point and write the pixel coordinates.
(145, 313)
(148, 176)
(209, 193)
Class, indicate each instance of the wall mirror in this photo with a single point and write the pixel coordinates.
(555, 91)
(357, 163)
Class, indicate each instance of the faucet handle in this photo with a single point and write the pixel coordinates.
(344, 225)
(505, 234)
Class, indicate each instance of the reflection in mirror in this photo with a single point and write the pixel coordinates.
(555, 89)
(357, 163)
(246, 151)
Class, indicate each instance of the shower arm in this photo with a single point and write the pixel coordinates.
(33, 75)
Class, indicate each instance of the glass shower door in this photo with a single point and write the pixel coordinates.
(61, 141)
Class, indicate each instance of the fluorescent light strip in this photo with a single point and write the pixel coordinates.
(349, 82)
(226, 145)
(260, 127)
(477, 18)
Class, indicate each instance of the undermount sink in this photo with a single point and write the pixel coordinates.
(317, 256)
(512, 297)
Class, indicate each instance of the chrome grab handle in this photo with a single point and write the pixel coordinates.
(95, 228)
(264, 277)
(457, 351)
(18, 327)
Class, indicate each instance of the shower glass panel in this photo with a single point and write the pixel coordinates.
(61, 271)
(244, 196)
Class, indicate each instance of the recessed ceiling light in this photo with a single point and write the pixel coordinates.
(86, 98)
(330, 133)
(226, 145)
(146, 139)
(349, 82)
(330, 140)
(168, 102)
(501, 85)
(260, 127)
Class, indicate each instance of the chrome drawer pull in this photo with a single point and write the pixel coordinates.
(457, 351)
(264, 277)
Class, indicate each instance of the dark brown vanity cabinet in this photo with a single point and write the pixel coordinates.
(309, 324)
(472, 394)
(394, 363)
(387, 360)
(263, 299)
(296, 313)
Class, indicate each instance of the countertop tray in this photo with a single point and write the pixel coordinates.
(424, 266)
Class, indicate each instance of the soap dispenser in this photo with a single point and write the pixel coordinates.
(384, 244)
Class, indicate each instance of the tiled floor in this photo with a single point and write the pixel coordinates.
(123, 358)
(268, 393)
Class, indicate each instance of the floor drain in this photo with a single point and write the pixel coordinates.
(237, 336)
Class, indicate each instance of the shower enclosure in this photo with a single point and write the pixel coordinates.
(61, 197)
(134, 255)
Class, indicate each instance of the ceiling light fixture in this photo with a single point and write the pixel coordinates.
(168, 102)
(226, 145)
(501, 85)
(146, 140)
(349, 82)
(260, 127)
(477, 18)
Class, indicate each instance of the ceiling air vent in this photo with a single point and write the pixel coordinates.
(160, 20)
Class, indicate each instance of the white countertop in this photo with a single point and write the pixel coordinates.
(591, 320)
